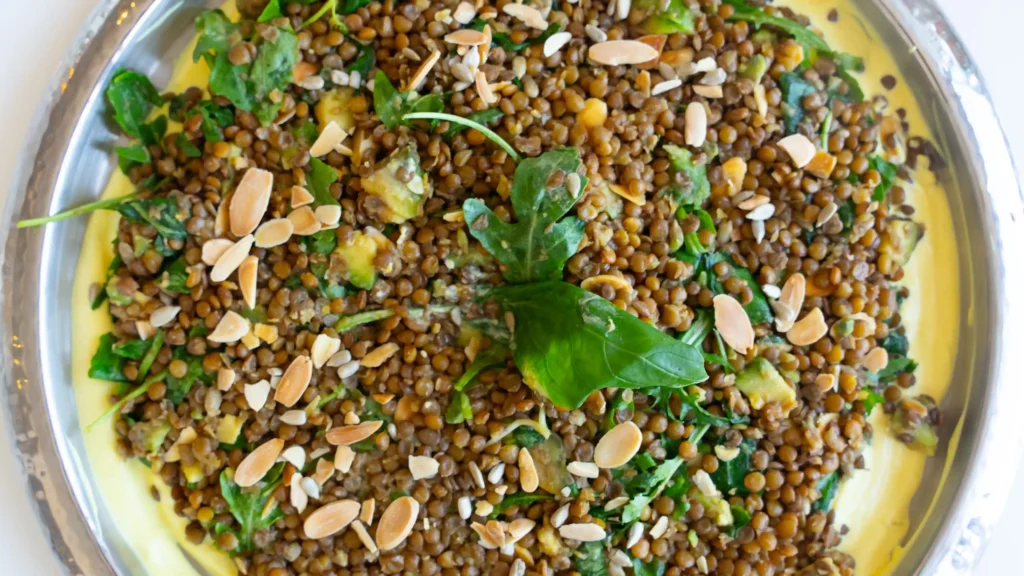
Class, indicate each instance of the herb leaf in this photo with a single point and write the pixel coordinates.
(394, 107)
(660, 478)
(894, 368)
(517, 499)
(794, 89)
(496, 355)
(247, 506)
(887, 170)
(320, 180)
(729, 476)
(590, 559)
(694, 193)
(828, 487)
(568, 343)
(107, 364)
(537, 246)
(347, 323)
(757, 17)
(178, 388)
(459, 408)
(653, 568)
(133, 97)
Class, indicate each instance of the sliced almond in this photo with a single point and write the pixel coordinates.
(588, 532)
(163, 316)
(528, 478)
(825, 382)
(250, 200)
(247, 280)
(790, 302)
(466, 37)
(256, 465)
(656, 41)
(231, 259)
(753, 202)
(485, 49)
(696, 128)
(294, 381)
(526, 14)
(145, 329)
(298, 498)
(808, 329)
(347, 435)
(225, 379)
(273, 233)
(329, 137)
(555, 42)
(423, 467)
(343, 459)
(761, 213)
(826, 214)
(822, 164)
(304, 221)
(711, 92)
(323, 348)
(519, 528)
(620, 52)
(464, 13)
(366, 512)
(230, 329)
(876, 359)
(396, 523)
(256, 394)
(301, 197)
(379, 355)
(623, 192)
(483, 89)
(665, 86)
(296, 455)
(328, 215)
(732, 322)
(618, 446)
(425, 68)
(220, 221)
(613, 280)
(266, 332)
(800, 149)
(330, 519)
(383, 398)
(324, 471)
(214, 248)
(583, 469)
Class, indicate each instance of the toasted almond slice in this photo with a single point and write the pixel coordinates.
(256, 394)
(328, 215)
(296, 455)
(379, 355)
(301, 197)
(323, 348)
(330, 519)
(800, 149)
(620, 52)
(247, 280)
(466, 37)
(464, 13)
(298, 498)
(273, 233)
(526, 14)
(294, 381)
(488, 540)
(876, 359)
(256, 465)
(266, 332)
(762, 212)
(214, 248)
(618, 446)
(483, 88)
(583, 469)
(352, 418)
(656, 41)
(220, 221)
(808, 329)
(519, 528)
(761, 100)
(528, 479)
(615, 281)
(696, 128)
(383, 398)
(791, 300)
(485, 49)
(396, 523)
(145, 329)
(588, 532)
(425, 68)
(343, 459)
(555, 42)
(622, 192)
(324, 471)
(826, 214)
(754, 202)
(329, 137)
(303, 70)
(304, 221)
(423, 467)
(163, 316)
(250, 200)
(231, 259)
(225, 379)
(366, 512)
(231, 328)
(732, 322)
(665, 86)
(825, 382)
(347, 435)
(708, 91)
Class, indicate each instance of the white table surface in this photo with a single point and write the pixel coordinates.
(34, 40)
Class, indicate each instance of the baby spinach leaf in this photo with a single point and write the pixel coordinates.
(186, 145)
(794, 89)
(517, 499)
(494, 356)
(152, 134)
(888, 172)
(659, 479)
(271, 11)
(215, 33)
(697, 187)
(758, 309)
(215, 117)
(130, 156)
(744, 11)
(101, 295)
(502, 39)
(178, 388)
(247, 506)
(174, 278)
(164, 214)
(894, 368)
(568, 343)
(873, 399)
(526, 437)
(591, 559)
(828, 487)
(106, 364)
(484, 117)
(133, 349)
(133, 97)
(393, 106)
(459, 408)
(740, 518)
(729, 476)
(536, 247)
(320, 180)
(364, 62)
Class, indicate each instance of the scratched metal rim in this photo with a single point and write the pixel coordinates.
(69, 162)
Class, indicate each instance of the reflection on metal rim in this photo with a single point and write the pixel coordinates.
(69, 164)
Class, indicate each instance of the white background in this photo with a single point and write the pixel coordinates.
(33, 41)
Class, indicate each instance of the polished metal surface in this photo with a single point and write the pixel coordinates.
(72, 160)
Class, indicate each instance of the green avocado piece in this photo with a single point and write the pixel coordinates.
(403, 200)
(359, 254)
(904, 236)
(762, 383)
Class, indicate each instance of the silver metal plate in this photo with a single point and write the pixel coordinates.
(72, 160)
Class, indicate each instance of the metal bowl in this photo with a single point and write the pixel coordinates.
(71, 162)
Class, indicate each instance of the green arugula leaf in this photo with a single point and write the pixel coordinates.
(675, 17)
(828, 487)
(740, 518)
(247, 506)
(894, 368)
(133, 97)
(730, 475)
(364, 62)
(702, 325)
(130, 156)
(178, 388)
(659, 479)
(147, 360)
(133, 349)
(106, 364)
(152, 134)
(888, 172)
(393, 107)
(536, 247)
(484, 117)
(215, 118)
(494, 356)
(757, 17)
(271, 11)
(591, 559)
(873, 399)
(758, 309)
(517, 499)
(568, 343)
(186, 145)
(323, 242)
(697, 189)
(459, 408)
(794, 89)
(101, 296)
(320, 180)
(653, 568)
(164, 214)
(174, 278)
(215, 33)
(502, 39)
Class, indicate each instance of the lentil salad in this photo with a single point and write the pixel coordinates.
(718, 393)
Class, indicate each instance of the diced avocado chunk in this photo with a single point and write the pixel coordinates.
(754, 68)
(715, 507)
(674, 17)
(403, 200)
(335, 105)
(359, 254)
(228, 429)
(550, 460)
(762, 383)
(115, 295)
(903, 238)
(912, 424)
(155, 436)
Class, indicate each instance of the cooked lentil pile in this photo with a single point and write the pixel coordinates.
(439, 287)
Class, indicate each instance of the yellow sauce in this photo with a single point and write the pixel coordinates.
(874, 503)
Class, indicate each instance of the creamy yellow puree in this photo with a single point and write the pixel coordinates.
(874, 503)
